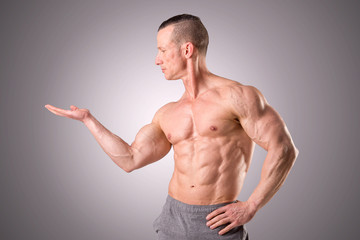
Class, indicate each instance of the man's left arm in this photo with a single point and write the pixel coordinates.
(266, 128)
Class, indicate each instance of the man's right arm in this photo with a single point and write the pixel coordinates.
(150, 143)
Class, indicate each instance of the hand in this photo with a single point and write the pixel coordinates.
(74, 113)
(235, 214)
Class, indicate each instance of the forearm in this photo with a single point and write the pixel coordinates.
(276, 168)
(116, 148)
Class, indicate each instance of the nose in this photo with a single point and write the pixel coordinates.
(158, 61)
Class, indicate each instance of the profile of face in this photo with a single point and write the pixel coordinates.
(169, 56)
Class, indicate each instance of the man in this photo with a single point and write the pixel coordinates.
(212, 128)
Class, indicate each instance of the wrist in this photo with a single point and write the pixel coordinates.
(88, 118)
(254, 206)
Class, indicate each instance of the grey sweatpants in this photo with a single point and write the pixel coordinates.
(181, 221)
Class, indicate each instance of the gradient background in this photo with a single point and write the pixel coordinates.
(57, 183)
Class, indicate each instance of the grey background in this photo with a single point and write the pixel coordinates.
(57, 183)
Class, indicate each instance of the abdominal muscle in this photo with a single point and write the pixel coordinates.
(209, 170)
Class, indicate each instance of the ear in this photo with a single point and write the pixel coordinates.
(188, 49)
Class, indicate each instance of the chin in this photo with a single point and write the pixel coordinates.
(171, 78)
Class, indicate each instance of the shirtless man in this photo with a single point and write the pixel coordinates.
(212, 128)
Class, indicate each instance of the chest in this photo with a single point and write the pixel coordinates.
(201, 118)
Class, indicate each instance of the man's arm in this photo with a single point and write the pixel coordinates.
(266, 128)
(150, 143)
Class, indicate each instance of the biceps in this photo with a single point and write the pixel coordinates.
(150, 145)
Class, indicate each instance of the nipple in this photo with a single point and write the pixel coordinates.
(213, 128)
(169, 136)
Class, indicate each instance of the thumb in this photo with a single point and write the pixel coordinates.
(73, 108)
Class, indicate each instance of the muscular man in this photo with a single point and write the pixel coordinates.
(212, 128)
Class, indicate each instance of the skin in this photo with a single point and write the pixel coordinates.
(212, 128)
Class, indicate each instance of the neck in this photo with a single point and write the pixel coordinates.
(196, 80)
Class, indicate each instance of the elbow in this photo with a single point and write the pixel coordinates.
(296, 152)
(286, 153)
(292, 153)
(126, 165)
(128, 170)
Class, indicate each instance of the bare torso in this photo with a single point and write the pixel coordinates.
(212, 152)
(213, 129)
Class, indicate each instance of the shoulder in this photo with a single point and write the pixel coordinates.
(245, 92)
(237, 90)
(160, 113)
(246, 99)
(242, 99)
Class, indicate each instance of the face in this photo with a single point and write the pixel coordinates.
(169, 56)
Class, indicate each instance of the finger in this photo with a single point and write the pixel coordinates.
(227, 228)
(72, 107)
(59, 111)
(48, 106)
(216, 219)
(216, 212)
(221, 222)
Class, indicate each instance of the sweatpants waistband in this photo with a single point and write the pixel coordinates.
(176, 204)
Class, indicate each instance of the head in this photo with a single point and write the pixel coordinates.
(188, 28)
(180, 38)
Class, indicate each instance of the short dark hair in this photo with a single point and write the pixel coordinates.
(188, 28)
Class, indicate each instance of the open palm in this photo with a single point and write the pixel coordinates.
(73, 113)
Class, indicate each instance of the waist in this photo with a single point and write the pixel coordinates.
(184, 207)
